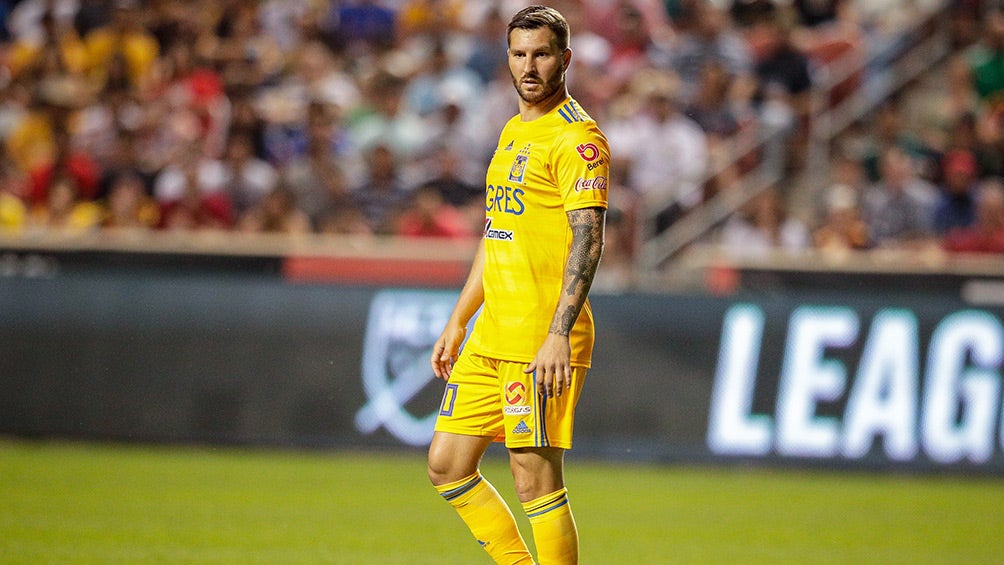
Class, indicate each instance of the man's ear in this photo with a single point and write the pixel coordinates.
(566, 59)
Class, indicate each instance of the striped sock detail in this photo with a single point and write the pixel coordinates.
(451, 491)
(546, 503)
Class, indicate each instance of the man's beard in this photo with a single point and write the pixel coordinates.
(547, 88)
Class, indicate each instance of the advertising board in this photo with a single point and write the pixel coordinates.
(838, 378)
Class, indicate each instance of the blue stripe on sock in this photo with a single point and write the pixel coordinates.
(455, 492)
(553, 506)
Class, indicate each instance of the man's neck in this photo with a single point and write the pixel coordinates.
(529, 112)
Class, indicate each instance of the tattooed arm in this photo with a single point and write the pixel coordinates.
(553, 360)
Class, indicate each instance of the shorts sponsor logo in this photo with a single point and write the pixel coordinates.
(516, 410)
(596, 183)
(515, 393)
(522, 428)
(499, 235)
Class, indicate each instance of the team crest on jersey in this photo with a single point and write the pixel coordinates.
(518, 170)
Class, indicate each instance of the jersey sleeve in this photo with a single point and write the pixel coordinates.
(582, 167)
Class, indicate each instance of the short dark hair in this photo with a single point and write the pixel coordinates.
(536, 17)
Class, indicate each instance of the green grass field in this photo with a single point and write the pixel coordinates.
(103, 504)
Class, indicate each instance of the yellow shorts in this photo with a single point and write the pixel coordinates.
(492, 398)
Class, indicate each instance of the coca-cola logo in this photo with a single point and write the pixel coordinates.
(595, 183)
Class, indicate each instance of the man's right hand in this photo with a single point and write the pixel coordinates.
(444, 353)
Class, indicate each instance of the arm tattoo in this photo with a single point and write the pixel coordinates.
(580, 269)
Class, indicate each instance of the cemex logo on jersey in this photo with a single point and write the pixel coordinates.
(500, 235)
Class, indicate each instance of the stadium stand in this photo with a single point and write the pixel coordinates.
(153, 121)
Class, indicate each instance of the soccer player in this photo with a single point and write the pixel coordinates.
(520, 374)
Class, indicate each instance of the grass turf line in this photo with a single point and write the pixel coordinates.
(99, 503)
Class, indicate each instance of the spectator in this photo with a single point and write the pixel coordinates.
(764, 224)
(986, 234)
(344, 220)
(247, 179)
(431, 216)
(711, 108)
(986, 59)
(813, 13)
(844, 170)
(276, 212)
(123, 40)
(65, 210)
(324, 77)
(361, 27)
(842, 228)
(66, 159)
(956, 207)
(382, 196)
(13, 211)
(192, 172)
(448, 181)
(663, 154)
(888, 130)
(48, 46)
(630, 41)
(434, 19)
(192, 194)
(900, 207)
(195, 211)
(780, 62)
(318, 177)
(952, 109)
(990, 141)
(711, 41)
(747, 13)
(488, 50)
(386, 120)
(128, 205)
(440, 81)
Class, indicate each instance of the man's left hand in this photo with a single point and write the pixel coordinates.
(553, 366)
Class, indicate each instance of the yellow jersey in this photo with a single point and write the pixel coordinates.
(541, 169)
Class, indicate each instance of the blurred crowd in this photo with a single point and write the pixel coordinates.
(380, 116)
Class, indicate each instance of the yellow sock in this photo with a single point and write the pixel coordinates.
(488, 518)
(554, 531)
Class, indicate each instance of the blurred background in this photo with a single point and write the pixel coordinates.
(246, 222)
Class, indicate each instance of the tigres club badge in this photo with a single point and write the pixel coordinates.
(518, 170)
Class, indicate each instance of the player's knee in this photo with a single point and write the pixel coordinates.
(535, 472)
(443, 468)
(438, 472)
